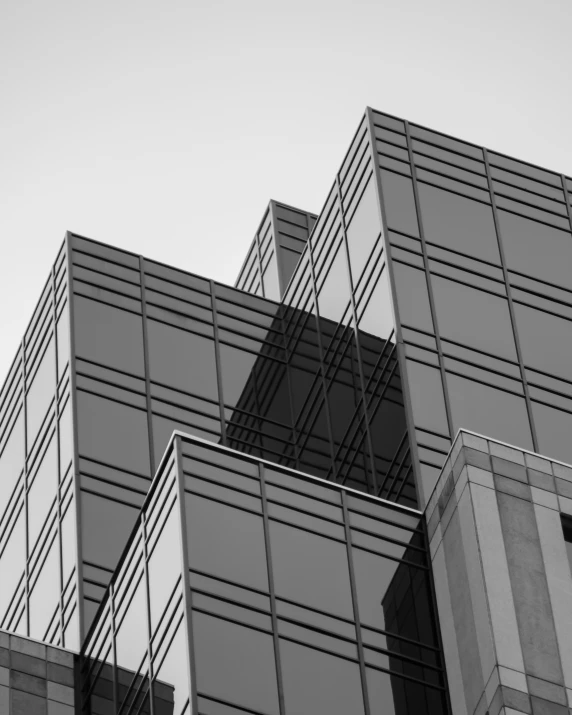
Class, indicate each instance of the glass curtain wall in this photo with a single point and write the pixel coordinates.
(248, 588)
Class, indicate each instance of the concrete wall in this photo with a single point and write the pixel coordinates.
(502, 579)
(35, 679)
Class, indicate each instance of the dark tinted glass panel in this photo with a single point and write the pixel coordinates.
(536, 249)
(311, 569)
(473, 317)
(567, 530)
(363, 230)
(106, 526)
(402, 697)
(182, 360)
(428, 402)
(237, 372)
(488, 411)
(113, 433)
(41, 393)
(545, 339)
(374, 578)
(235, 663)
(163, 429)
(554, 431)
(412, 297)
(458, 223)
(399, 203)
(226, 542)
(11, 462)
(319, 683)
(108, 335)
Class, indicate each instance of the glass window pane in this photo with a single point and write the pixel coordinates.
(112, 432)
(399, 203)
(319, 683)
(66, 437)
(311, 569)
(427, 400)
(363, 230)
(288, 260)
(132, 639)
(12, 561)
(412, 297)
(44, 598)
(536, 249)
(226, 542)
(545, 340)
(554, 431)
(237, 370)
(334, 294)
(402, 696)
(41, 393)
(235, 663)
(63, 341)
(173, 674)
(377, 318)
(270, 279)
(11, 462)
(42, 493)
(108, 335)
(458, 223)
(182, 360)
(470, 316)
(69, 537)
(106, 526)
(164, 567)
(490, 412)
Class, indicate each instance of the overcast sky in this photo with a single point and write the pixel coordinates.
(165, 127)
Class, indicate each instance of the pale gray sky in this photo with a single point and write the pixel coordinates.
(164, 127)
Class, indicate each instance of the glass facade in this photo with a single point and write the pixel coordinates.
(246, 587)
(275, 251)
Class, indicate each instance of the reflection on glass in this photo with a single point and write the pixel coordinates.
(171, 686)
(488, 411)
(427, 399)
(69, 552)
(131, 639)
(63, 341)
(235, 664)
(108, 335)
(44, 598)
(317, 682)
(66, 436)
(363, 230)
(412, 297)
(458, 223)
(270, 280)
(399, 203)
(12, 561)
(11, 462)
(311, 569)
(226, 542)
(334, 295)
(536, 249)
(402, 697)
(164, 568)
(41, 393)
(377, 316)
(479, 320)
(42, 493)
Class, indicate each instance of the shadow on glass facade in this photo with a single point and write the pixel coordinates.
(275, 592)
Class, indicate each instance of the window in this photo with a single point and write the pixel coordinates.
(164, 567)
(334, 295)
(377, 316)
(235, 663)
(311, 569)
(42, 494)
(490, 412)
(44, 598)
(182, 360)
(553, 429)
(226, 542)
(427, 400)
(12, 561)
(567, 529)
(545, 339)
(11, 462)
(472, 317)
(319, 683)
(363, 230)
(458, 223)
(41, 393)
(132, 637)
(536, 249)
(108, 335)
(114, 432)
(412, 297)
(399, 203)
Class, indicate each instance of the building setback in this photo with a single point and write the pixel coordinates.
(316, 536)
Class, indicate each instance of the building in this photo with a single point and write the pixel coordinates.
(321, 398)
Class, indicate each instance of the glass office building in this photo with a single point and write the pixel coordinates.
(354, 346)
